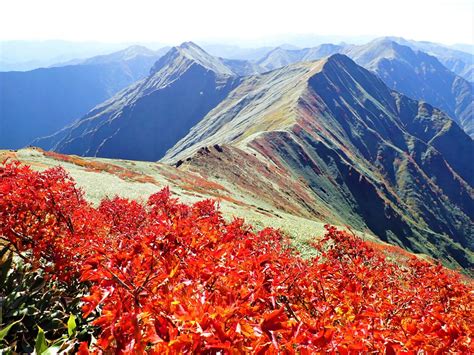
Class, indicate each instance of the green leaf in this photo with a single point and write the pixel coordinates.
(71, 325)
(52, 350)
(4, 331)
(40, 342)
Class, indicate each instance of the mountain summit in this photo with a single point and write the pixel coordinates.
(409, 71)
(146, 119)
(189, 51)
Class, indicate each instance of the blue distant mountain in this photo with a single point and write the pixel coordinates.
(41, 101)
(402, 67)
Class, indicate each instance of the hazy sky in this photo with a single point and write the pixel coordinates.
(172, 21)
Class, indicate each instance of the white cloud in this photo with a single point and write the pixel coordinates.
(447, 21)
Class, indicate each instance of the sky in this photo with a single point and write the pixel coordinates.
(241, 21)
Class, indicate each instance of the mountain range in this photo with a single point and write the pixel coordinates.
(340, 143)
(325, 139)
(39, 102)
(411, 72)
(23, 55)
(377, 137)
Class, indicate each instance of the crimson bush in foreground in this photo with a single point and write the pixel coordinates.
(165, 277)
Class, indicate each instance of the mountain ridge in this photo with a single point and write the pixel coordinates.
(184, 73)
(329, 139)
(412, 72)
(374, 140)
(42, 101)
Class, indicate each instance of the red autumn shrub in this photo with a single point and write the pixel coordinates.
(166, 277)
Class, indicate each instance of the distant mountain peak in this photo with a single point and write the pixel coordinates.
(136, 48)
(339, 58)
(190, 44)
(279, 57)
(383, 41)
(386, 43)
(329, 45)
(189, 51)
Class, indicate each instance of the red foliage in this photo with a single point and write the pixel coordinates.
(169, 278)
(97, 166)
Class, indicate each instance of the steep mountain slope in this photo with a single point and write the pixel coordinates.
(419, 76)
(413, 73)
(146, 119)
(329, 139)
(458, 61)
(39, 102)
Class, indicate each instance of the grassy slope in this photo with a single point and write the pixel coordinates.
(137, 180)
(356, 150)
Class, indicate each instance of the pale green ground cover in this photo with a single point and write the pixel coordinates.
(98, 185)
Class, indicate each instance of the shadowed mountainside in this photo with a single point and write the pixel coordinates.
(419, 76)
(146, 119)
(411, 72)
(40, 102)
(458, 61)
